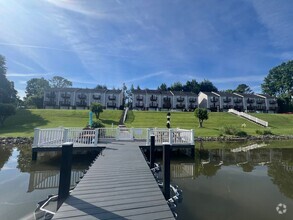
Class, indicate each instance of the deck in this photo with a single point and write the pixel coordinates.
(118, 185)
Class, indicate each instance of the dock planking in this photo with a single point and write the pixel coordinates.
(118, 185)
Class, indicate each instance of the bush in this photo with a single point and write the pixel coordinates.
(231, 130)
(6, 110)
(264, 132)
(98, 124)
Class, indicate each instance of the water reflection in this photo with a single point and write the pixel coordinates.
(23, 182)
(229, 184)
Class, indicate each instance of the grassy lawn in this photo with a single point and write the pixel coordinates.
(23, 123)
(278, 123)
(212, 126)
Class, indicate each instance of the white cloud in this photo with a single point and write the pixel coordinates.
(28, 74)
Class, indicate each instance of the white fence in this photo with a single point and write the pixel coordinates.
(249, 117)
(54, 137)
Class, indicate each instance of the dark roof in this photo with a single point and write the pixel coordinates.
(226, 94)
(166, 93)
(153, 91)
(138, 91)
(247, 95)
(114, 91)
(61, 89)
(266, 96)
(209, 93)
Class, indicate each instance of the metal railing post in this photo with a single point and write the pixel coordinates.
(65, 135)
(36, 137)
(192, 137)
(170, 136)
(97, 130)
(65, 173)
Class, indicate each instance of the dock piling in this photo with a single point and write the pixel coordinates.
(152, 151)
(65, 172)
(166, 162)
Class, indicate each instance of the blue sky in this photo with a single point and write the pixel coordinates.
(145, 43)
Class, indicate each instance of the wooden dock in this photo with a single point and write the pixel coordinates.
(118, 185)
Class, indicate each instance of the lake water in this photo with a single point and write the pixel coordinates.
(24, 183)
(218, 183)
(236, 184)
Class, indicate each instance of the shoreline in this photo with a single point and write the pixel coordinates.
(4, 141)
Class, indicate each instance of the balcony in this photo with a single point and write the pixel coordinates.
(139, 98)
(51, 95)
(167, 105)
(65, 95)
(214, 99)
(180, 99)
(227, 106)
(139, 105)
(153, 105)
(238, 107)
(192, 106)
(260, 101)
(112, 97)
(64, 103)
(237, 100)
(167, 99)
(192, 100)
(260, 108)
(97, 97)
(273, 108)
(81, 104)
(153, 98)
(81, 96)
(250, 101)
(50, 103)
(273, 102)
(227, 100)
(250, 107)
(111, 104)
(180, 106)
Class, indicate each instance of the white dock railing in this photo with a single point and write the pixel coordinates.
(249, 117)
(54, 137)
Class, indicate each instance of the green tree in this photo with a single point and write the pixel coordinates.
(279, 83)
(176, 86)
(191, 86)
(35, 92)
(60, 82)
(201, 114)
(97, 108)
(7, 91)
(6, 110)
(207, 86)
(243, 88)
(101, 87)
(163, 87)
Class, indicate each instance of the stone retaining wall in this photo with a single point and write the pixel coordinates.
(15, 141)
(29, 141)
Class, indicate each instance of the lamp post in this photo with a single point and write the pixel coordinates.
(168, 120)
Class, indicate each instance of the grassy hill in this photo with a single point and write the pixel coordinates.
(23, 123)
(280, 124)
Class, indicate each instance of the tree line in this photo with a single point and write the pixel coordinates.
(278, 83)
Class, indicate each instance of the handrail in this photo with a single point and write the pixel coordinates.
(250, 117)
(54, 137)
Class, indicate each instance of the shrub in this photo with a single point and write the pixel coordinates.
(6, 110)
(231, 130)
(264, 132)
(98, 124)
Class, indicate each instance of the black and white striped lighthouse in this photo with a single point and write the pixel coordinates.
(168, 120)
